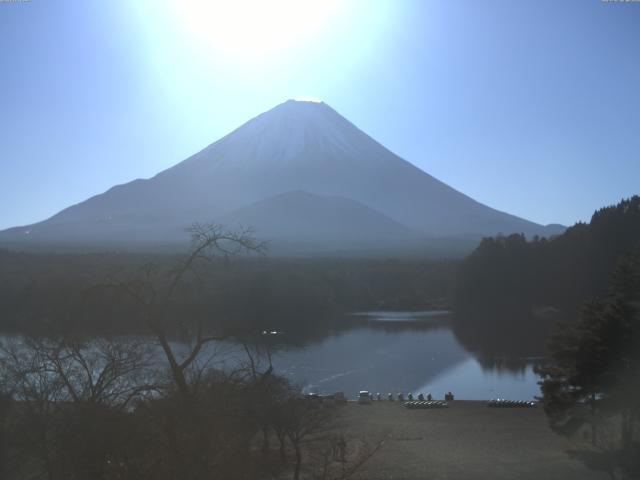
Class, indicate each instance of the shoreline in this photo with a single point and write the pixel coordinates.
(468, 440)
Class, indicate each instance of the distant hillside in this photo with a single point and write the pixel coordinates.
(45, 292)
(303, 147)
(314, 219)
(510, 288)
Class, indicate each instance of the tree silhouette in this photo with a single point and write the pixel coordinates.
(594, 372)
(510, 291)
(155, 291)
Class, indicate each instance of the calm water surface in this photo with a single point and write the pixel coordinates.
(387, 352)
(401, 352)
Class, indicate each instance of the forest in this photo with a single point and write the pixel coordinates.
(53, 293)
(511, 292)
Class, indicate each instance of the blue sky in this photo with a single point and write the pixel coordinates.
(531, 107)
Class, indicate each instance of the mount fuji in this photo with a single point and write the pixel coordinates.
(304, 177)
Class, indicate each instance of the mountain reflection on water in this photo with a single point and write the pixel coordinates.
(402, 352)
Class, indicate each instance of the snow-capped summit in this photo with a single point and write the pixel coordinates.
(306, 99)
(282, 133)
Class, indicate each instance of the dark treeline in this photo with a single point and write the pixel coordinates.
(511, 292)
(52, 293)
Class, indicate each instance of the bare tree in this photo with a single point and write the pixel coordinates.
(304, 425)
(155, 292)
(202, 425)
(342, 456)
(70, 397)
(317, 441)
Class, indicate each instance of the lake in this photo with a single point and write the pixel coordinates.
(401, 352)
(385, 352)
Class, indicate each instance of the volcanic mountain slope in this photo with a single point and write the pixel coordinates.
(300, 219)
(284, 171)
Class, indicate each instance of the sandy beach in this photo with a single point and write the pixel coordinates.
(466, 441)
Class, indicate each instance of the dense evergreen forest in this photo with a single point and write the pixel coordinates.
(510, 292)
(52, 293)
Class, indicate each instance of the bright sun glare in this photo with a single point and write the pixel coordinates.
(253, 29)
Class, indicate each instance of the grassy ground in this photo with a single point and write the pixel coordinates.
(466, 441)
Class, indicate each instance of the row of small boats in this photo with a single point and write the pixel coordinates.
(366, 397)
(426, 404)
(501, 403)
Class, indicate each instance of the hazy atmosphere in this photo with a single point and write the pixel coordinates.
(528, 107)
(319, 240)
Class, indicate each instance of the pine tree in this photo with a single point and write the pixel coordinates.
(594, 372)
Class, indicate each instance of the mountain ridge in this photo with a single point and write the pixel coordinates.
(296, 146)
